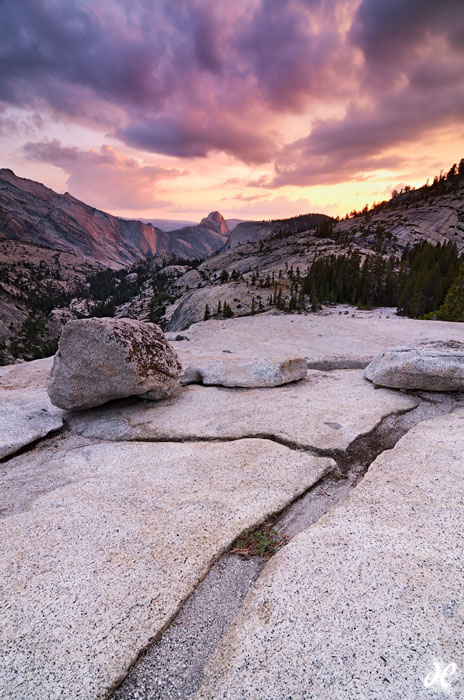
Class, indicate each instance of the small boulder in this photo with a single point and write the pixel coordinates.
(101, 359)
(429, 366)
(245, 372)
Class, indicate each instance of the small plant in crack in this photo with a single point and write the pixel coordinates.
(262, 542)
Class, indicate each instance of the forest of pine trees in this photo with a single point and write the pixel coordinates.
(417, 283)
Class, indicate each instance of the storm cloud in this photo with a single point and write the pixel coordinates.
(193, 77)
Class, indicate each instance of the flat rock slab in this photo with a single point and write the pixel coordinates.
(430, 366)
(325, 412)
(25, 416)
(367, 600)
(245, 372)
(92, 570)
(34, 374)
(346, 338)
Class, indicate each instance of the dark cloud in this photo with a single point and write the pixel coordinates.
(120, 182)
(191, 77)
(197, 135)
(390, 33)
(411, 82)
(184, 78)
(296, 52)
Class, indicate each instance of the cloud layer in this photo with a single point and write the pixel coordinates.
(194, 77)
(120, 182)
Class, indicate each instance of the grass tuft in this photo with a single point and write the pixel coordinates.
(262, 542)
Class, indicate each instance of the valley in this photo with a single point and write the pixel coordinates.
(60, 259)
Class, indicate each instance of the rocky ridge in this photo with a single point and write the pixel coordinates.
(32, 213)
(258, 250)
(262, 259)
(51, 244)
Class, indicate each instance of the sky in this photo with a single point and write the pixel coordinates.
(256, 108)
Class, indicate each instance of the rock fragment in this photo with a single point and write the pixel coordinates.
(430, 366)
(245, 372)
(101, 359)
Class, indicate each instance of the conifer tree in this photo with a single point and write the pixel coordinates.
(315, 306)
(452, 308)
(227, 311)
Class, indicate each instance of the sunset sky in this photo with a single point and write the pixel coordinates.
(257, 108)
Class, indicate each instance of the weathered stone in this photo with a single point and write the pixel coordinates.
(430, 366)
(30, 375)
(245, 372)
(325, 411)
(327, 341)
(366, 602)
(101, 359)
(25, 416)
(100, 561)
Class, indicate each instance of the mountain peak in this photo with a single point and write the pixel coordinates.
(216, 222)
(6, 171)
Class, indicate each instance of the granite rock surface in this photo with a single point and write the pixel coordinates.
(24, 418)
(93, 568)
(324, 412)
(341, 337)
(366, 603)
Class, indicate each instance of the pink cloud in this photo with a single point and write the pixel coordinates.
(118, 181)
(194, 77)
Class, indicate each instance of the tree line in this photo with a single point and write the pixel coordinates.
(417, 283)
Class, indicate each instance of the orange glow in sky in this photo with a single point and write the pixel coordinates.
(258, 108)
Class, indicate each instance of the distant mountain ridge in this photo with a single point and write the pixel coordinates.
(282, 265)
(34, 214)
(255, 231)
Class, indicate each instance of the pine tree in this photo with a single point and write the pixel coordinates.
(452, 308)
(206, 315)
(315, 305)
(227, 311)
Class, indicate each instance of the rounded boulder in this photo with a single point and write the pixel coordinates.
(101, 359)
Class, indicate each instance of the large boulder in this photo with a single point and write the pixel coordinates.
(100, 359)
(245, 372)
(430, 366)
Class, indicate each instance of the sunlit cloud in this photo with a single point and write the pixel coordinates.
(120, 181)
(306, 94)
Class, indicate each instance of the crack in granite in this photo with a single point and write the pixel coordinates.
(152, 676)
